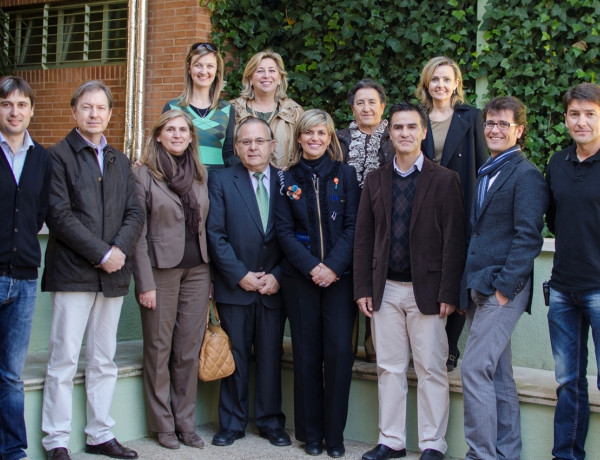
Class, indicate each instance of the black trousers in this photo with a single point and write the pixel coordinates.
(247, 326)
(321, 322)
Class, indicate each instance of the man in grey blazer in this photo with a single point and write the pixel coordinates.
(409, 254)
(246, 256)
(510, 201)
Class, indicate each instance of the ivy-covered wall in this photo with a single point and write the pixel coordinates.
(532, 49)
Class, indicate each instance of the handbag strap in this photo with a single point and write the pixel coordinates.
(212, 304)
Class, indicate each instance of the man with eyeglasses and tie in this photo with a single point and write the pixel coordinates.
(507, 220)
(246, 256)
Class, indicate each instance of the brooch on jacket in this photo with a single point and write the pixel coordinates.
(294, 192)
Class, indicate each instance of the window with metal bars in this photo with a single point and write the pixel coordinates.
(66, 34)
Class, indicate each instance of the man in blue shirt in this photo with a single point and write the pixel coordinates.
(24, 179)
(573, 175)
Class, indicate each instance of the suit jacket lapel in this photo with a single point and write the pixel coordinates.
(165, 188)
(457, 131)
(273, 190)
(503, 176)
(241, 180)
(386, 178)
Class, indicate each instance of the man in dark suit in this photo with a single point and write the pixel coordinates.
(510, 200)
(408, 259)
(246, 256)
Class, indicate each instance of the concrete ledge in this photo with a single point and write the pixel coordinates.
(535, 386)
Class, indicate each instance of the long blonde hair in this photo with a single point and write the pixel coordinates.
(422, 91)
(248, 92)
(202, 49)
(309, 120)
(155, 148)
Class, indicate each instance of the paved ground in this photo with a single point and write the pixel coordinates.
(252, 447)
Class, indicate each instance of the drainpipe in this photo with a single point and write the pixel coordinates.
(136, 73)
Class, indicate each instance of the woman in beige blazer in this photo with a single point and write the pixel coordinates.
(172, 276)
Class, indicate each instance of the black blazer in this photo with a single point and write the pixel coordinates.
(464, 151)
(237, 242)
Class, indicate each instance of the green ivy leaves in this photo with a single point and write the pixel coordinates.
(531, 49)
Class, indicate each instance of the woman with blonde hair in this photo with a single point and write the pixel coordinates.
(315, 222)
(172, 276)
(454, 140)
(265, 96)
(213, 118)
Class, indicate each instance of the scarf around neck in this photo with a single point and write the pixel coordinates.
(488, 169)
(181, 181)
(363, 155)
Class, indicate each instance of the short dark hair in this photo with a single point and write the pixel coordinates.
(515, 106)
(10, 84)
(249, 120)
(92, 85)
(366, 83)
(582, 92)
(409, 107)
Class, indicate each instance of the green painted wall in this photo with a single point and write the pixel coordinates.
(530, 343)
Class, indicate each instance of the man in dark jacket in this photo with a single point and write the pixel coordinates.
(506, 219)
(24, 180)
(408, 259)
(95, 221)
(246, 256)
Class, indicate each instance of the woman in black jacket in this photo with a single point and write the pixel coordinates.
(316, 217)
(454, 140)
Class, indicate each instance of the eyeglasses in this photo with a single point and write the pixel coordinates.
(502, 125)
(259, 142)
(208, 46)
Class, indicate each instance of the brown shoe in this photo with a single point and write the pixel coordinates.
(191, 439)
(112, 449)
(168, 440)
(60, 453)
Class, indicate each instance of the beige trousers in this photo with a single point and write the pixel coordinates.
(397, 325)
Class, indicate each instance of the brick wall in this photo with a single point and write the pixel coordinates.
(173, 26)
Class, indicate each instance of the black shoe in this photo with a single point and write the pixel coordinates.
(277, 437)
(227, 437)
(60, 453)
(336, 452)
(313, 448)
(383, 452)
(112, 449)
(431, 454)
(452, 361)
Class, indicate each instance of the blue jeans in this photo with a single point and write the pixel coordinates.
(17, 304)
(569, 319)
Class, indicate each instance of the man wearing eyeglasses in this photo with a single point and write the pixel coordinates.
(573, 176)
(246, 256)
(507, 220)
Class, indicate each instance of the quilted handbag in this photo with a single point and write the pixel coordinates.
(216, 360)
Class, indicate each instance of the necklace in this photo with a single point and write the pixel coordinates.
(201, 112)
(266, 116)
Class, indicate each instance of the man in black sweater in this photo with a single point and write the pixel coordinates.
(573, 175)
(24, 179)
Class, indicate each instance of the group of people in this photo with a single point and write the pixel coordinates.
(269, 210)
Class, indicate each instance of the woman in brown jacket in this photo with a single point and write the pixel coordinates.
(172, 276)
(264, 96)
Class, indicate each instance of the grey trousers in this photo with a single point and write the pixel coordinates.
(491, 402)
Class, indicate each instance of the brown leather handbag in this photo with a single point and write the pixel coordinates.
(216, 360)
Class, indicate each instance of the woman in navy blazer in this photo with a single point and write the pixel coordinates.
(315, 222)
(454, 140)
